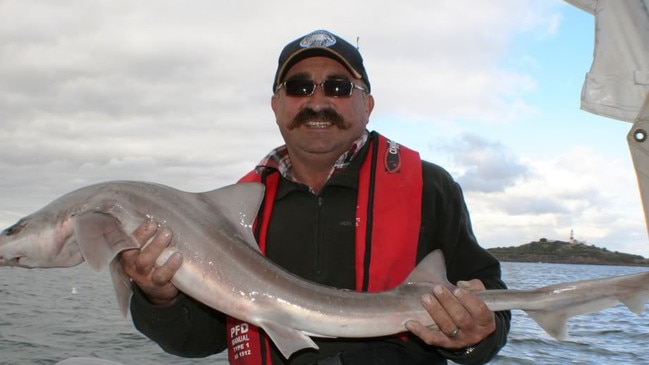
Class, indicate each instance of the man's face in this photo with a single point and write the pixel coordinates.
(321, 126)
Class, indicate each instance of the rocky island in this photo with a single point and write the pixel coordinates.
(561, 252)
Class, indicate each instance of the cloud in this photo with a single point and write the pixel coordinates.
(484, 166)
(178, 93)
(173, 82)
(561, 193)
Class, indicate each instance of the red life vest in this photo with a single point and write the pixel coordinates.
(388, 215)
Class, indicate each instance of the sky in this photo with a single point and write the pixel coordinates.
(178, 93)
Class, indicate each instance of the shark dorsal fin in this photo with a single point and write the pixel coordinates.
(432, 269)
(239, 203)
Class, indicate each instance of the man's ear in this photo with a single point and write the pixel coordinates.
(369, 104)
(273, 103)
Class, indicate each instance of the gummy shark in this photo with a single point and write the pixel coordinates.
(223, 268)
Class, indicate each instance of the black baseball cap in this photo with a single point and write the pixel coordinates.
(321, 43)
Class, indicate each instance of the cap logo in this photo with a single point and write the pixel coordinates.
(319, 38)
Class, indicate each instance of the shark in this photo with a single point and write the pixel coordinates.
(224, 269)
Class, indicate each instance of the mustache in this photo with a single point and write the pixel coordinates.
(325, 115)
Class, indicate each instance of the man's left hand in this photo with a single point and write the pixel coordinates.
(462, 319)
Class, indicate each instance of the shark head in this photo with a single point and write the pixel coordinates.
(43, 239)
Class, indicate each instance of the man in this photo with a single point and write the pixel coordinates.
(344, 208)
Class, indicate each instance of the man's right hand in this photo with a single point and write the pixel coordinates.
(139, 264)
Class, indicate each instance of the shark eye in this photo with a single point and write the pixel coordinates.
(14, 229)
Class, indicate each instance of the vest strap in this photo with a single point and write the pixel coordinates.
(388, 216)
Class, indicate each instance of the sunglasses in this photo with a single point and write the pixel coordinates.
(336, 88)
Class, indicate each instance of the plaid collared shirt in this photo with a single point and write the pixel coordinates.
(280, 160)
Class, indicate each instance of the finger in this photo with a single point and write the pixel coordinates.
(461, 317)
(478, 312)
(163, 274)
(440, 305)
(437, 304)
(149, 254)
(436, 337)
(472, 285)
(451, 314)
(142, 234)
(145, 232)
(429, 336)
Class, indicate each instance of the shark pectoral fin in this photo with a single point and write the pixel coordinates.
(636, 302)
(100, 237)
(553, 323)
(288, 340)
(122, 286)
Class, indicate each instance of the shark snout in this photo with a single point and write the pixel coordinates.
(9, 261)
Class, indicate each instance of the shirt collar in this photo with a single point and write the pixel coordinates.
(279, 159)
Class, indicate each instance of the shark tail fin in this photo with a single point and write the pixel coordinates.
(630, 290)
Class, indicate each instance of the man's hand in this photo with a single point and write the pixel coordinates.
(462, 318)
(139, 264)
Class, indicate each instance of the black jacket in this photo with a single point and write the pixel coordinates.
(313, 237)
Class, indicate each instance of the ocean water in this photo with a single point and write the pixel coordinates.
(47, 315)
